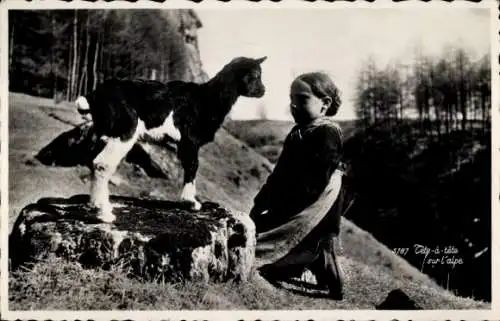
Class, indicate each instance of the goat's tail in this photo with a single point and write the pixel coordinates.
(82, 105)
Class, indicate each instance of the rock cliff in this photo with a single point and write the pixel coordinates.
(184, 54)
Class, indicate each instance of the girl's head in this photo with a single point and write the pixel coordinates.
(313, 95)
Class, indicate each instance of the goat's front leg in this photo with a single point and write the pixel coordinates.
(103, 167)
(188, 155)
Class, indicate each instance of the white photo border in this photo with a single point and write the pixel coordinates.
(494, 313)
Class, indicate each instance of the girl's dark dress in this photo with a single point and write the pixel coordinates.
(303, 195)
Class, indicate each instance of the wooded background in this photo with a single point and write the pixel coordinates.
(444, 93)
(64, 53)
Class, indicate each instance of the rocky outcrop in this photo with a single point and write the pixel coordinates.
(80, 145)
(188, 25)
(150, 238)
(398, 300)
(84, 145)
(182, 51)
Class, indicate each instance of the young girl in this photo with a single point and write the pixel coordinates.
(297, 212)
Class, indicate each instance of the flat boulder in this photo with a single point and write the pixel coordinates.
(150, 238)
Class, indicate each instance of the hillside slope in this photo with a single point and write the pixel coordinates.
(231, 174)
(267, 136)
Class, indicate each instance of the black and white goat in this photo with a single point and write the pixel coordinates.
(124, 111)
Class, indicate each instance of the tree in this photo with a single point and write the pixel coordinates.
(12, 28)
(392, 93)
(443, 91)
(462, 65)
(404, 83)
(98, 50)
(440, 89)
(74, 61)
(362, 102)
(482, 89)
(53, 57)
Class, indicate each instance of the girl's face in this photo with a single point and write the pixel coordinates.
(304, 105)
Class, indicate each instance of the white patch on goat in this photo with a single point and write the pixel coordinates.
(189, 193)
(83, 107)
(104, 166)
(105, 214)
(82, 104)
(167, 128)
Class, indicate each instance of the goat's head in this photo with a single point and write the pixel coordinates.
(247, 73)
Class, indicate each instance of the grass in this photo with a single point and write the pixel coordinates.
(372, 269)
(56, 284)
(267, 136)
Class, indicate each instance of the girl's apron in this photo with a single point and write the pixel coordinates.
(280, 244)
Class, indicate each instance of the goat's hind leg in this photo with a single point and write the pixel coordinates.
(103, 167)
(188, 155)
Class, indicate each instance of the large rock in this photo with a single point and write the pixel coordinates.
(149, 238)
(398, 300)
(80, 145)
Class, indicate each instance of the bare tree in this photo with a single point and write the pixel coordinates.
(82, 87)
(75, 56)
(52, 56)
(462, 64)
(12, 25)
(483, 89)
(94, 65)
(362, 103)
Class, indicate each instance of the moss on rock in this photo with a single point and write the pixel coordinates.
(154, 238)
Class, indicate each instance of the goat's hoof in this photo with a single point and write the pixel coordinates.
(192, 204)
(103, 213)
(106, 217)
(195, 205)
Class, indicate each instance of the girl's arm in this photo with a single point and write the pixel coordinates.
(274, 183)
(325, 146)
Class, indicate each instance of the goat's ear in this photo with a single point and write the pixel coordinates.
(261, 60)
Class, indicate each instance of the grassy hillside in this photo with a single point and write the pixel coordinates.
(231, 174)
(267, 136)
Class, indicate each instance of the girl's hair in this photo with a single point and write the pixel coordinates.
(323, 86)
